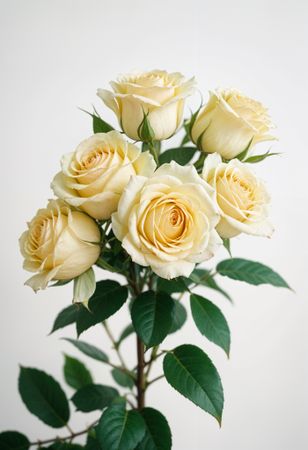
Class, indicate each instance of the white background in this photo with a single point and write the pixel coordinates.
(54, 55)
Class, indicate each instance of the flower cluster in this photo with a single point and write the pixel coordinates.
(167, 216)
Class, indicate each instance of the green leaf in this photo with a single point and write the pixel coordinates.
(100, 126)
(75, 373)
(43, 397)
(182, 155)
(128, 330)
(227, 244)
(92, 443)
(176, 285)
(179, 317)
(64, 446)
(251, 272)
(210, 321)
(152, 316)
(158, 434)
(13, 440)
(122, 378)
(66, 317)
(186, 139)
(203, 277)
(258, 158)
(200, 162)
(88, 349)
(107, 299)
(191, 372)
(93, 397)
(119, 429)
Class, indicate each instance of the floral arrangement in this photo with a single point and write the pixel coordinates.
(151, 216)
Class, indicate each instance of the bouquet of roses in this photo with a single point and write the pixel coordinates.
(151, 215)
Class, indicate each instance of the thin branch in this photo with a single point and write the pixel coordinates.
(204, 279)
(156, 357)
(64, 438)
(69, 429)
(155, 379)
(123, 369)
(130, 403)
(115, 346)
(152, 359)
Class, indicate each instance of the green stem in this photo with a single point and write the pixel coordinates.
(153, 151)
(152, 359)
(199, 163)
(156, 357)
(104, 265)
(69, 429)
(115, 346)
(140, 374)
(160, 377)
(209, 275)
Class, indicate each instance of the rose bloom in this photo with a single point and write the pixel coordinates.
(242, 198)
(229, 123)
(94, 176)
(60, 244)
(157, 93)
(168, 221)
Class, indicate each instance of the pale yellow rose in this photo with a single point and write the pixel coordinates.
(229, 123)
(242, 198)
(168, 221)
(157, 93)
(60, 244)
(94, 176)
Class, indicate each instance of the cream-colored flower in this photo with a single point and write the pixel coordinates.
(94, 176)
(60, 244)
(157, 93)
(168, 221)
(242, 198)
(229, 123)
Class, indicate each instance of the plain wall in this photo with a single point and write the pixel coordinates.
(54, 55)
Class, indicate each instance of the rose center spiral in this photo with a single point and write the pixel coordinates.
(165, 222)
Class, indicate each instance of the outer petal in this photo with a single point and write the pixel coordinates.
(136, 254)
(229, 227)
(214, 244)
(84, 227)
(78, 263)
(101, 206)
(145, 164)
(174, 269)
(41, 280)
(210, 165)
(132, 114)
(226, 134)
(109, 100)
(165, 120)
(126, 203)
(158, 94)
(186, 174)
